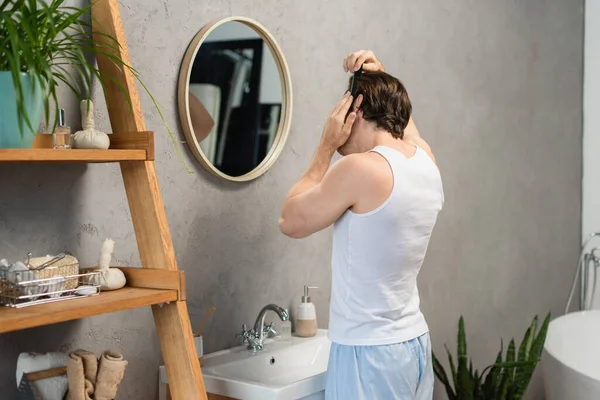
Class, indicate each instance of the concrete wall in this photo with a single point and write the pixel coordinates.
(591, 125)
(497, 91)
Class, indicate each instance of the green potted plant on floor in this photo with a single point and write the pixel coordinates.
(506, 379)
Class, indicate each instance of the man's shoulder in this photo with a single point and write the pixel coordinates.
(359, 162)
(364, 168)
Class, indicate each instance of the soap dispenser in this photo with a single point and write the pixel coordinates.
(306, 324)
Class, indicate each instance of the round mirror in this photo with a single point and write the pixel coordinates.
(235, 98)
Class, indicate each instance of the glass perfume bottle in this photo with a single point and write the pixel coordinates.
(62, 134)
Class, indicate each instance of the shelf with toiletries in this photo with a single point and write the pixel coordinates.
(14, 319)
(131, 146)
(51, 289)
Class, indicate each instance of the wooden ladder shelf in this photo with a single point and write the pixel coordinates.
(159, 283)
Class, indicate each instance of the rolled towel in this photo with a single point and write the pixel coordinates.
(52, 388)
(81, 374)
(90, 364)
(110, 374)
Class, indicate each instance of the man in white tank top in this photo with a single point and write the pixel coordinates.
(383, 198)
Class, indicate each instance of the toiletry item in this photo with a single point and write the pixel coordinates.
(199, 343)
(111, 370)
(86, 290)
(63, 265)
(110, 278)
(210, 312)
(89, 137)
(306, 323)
(18, 266)
(62, 134)
(108, 246)
(285, 330)
(56, 286)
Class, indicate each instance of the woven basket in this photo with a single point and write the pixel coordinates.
(68, 266)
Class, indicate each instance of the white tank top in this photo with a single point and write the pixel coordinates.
(377, 256)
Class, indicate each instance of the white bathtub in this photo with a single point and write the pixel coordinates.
(571, 361)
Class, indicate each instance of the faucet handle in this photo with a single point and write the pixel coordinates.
(270, 329)
(245, 335)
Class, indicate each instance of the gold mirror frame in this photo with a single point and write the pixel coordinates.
(286, 96)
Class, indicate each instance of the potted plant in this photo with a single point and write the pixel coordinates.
(506, 379)
(43, 44)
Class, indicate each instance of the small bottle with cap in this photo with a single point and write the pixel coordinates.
(306, 324)
(62, 134)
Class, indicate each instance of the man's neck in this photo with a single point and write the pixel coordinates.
(379, 137)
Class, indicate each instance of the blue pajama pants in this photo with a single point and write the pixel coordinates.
(402, 371)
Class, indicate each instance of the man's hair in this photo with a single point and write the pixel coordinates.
(385, 101)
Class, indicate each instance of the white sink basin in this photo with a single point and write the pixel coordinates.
(284, 370)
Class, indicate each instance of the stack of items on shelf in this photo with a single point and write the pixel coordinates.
(80, 375)
(45, 279)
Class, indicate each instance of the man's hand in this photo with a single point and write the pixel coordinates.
(338, 127)
(366, 58)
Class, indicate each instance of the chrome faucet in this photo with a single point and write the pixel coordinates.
(255, 337)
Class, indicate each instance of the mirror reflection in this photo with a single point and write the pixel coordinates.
(235, 98)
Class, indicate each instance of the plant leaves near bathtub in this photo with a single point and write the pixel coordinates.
(506, 379)
(534, 356)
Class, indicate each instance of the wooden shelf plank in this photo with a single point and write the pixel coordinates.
(14, 319)
(69, 156)
(134, 140)
(152, 278)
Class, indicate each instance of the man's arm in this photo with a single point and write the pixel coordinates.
(412, 136)
(202, 122)
(321, 196)
(313, 204)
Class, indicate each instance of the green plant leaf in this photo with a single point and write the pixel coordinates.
(487, 389)
(538, 344)
(493, 377)
(510, 352)
(526, 372)
(464, 390)
(440, 373)
(503, 385)
(510, 360)
(452, 367)
(527, 342)
(462, 339)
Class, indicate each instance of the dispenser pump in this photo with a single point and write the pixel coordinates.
(306, 297)
(306, 323)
